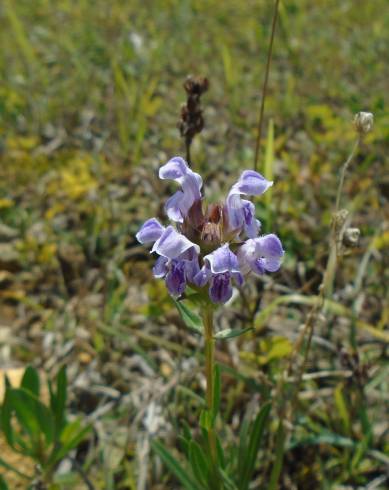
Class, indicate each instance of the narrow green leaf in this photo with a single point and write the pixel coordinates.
(3, 484)
(61, 396)
(71, 436)
(7, 382)
(6, 414)
(198, 462)
(174, 466)
(228, 483)
(205, 420)
(229, 333)
(256, 434)
(12, 437)
(186, 431)
(342, 408)
(30, 381)
(184, 445)
(243, 449)
(220, 453)
(191, 319)
(32, 414)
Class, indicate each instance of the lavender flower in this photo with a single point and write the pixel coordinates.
(207, 247)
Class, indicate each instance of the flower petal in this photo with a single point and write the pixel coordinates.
(174, 169)
(251, 183)
(234, 211)
(172, 244)
(261, 254)
(269, 246)
(223, 260)
(160, 268)
(175, 278)
(220, 290)
(173, 207)
(178, 205)
(271, 264)
(150, 231)
(251, 225)
(202, 277)
(191, 262)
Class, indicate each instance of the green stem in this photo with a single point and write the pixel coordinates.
(209, 375)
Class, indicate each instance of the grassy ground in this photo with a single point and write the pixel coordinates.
(90, 95)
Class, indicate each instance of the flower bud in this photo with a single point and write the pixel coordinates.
(363, 122)
(351, 237)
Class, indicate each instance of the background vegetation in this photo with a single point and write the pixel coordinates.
(90, 96)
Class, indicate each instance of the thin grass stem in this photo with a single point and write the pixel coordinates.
(265, 83)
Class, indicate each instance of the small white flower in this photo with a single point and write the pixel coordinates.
(363, 122)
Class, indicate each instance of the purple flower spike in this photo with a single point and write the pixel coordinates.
(182, 248)
(150, 231)
(178, 205)
(171, 244)
(238, 211)
(261, 254)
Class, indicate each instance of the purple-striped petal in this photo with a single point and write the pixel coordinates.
(150, 231)
(175, 278)
(222, 260)
(191, 261)
(172, 244)
(251, 225)
(220, 290)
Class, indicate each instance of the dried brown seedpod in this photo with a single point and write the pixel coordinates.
(191, 120)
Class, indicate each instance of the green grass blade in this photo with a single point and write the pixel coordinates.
(30, 381)
(256, 434)
(174, 466)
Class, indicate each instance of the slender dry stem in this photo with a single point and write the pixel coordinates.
(265, 83)
(289, 402)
